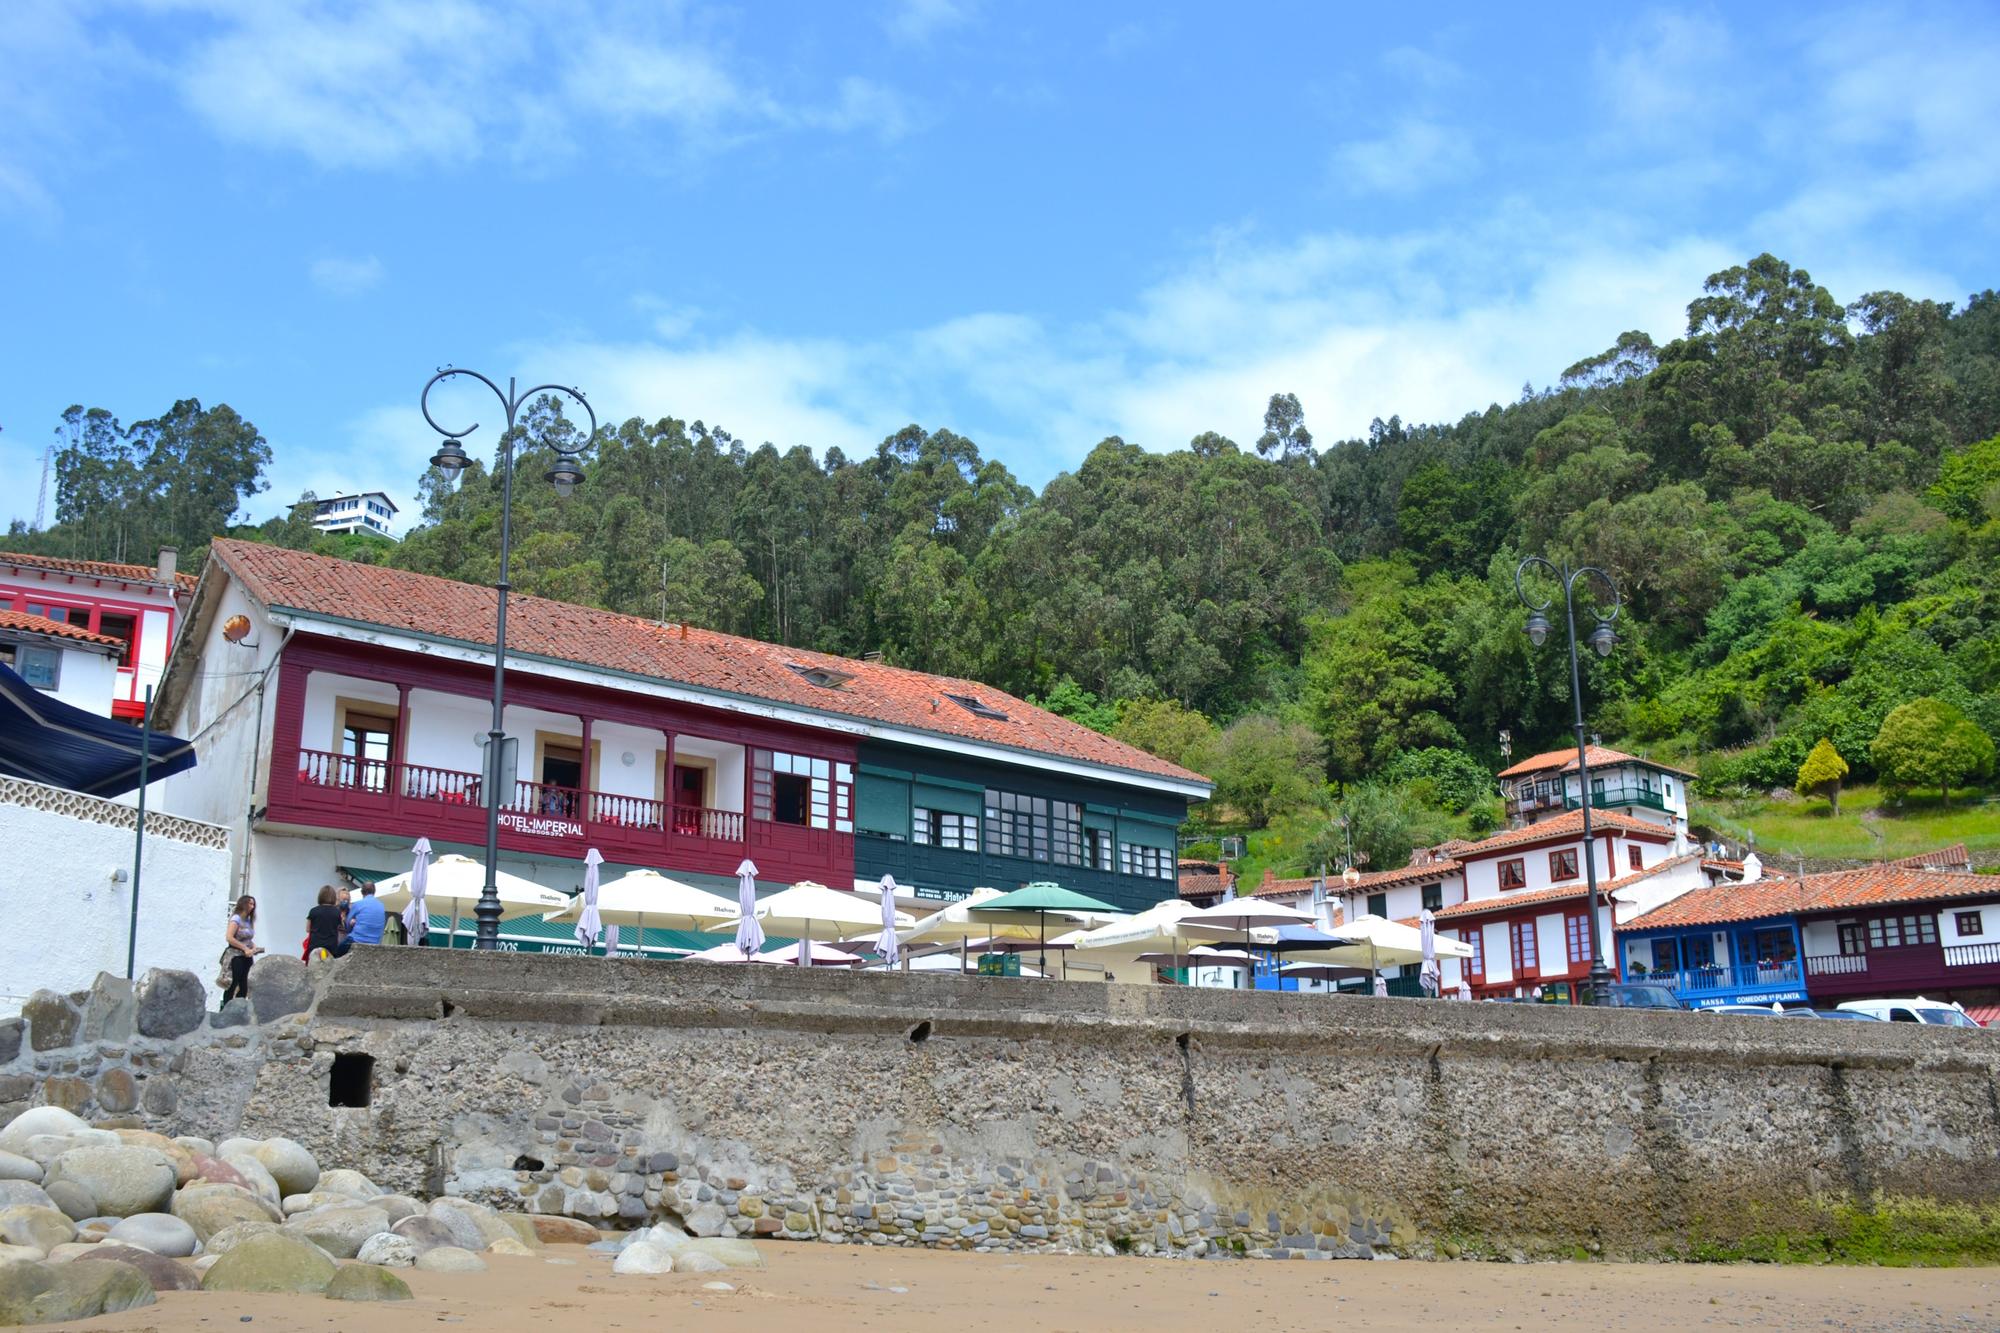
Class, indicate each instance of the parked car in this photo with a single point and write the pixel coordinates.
(1637, 995)
(1836, 1013)
(1938, 1013)
(1763, 1010)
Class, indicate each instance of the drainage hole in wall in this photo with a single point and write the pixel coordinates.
(527, 1163)
(352, 1081)
(921, 1032)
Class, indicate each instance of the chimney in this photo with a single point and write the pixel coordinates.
(1270, 879)
(170, 559)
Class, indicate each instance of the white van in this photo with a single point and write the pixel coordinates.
(1940, 1013)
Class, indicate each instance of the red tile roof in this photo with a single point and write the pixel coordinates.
(55, 629)
(1954, 857)
(397, 599)
(1202, 884)
(1871, 886)
(1384, 879)
(1564, 761)
(1507, 902)
(97, 569)
(1562, 826)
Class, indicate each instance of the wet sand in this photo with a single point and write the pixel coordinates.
(831, 1289)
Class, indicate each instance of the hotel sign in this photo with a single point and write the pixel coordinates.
(540, 826)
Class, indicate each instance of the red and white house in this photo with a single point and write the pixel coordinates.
(1547, 785)
(138, 606)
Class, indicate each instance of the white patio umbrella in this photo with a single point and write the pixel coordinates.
(588, 925)
(749, 934)
(885, 943)
(810, 953)
(452, 884)
(958, 924)
(416, 916)
(811, 911)
(643, 898)
(1376, 942)
(1234, 919)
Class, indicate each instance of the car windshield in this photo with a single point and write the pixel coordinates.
(1645, 997)
(1946, 1018)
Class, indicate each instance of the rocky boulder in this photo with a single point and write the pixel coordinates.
(694, 1261)
(39, 1228)
(424, 1232)
(388, 1250)
(15, 1167)
(450, 1259)
(162, 1273)
(279, 986)
(38, 1120)
(227, 1239)
(339, 1231)
(258, 1180)
(363, 1282)
(53, 1022)
(32, 1293)
(473, 1226)
(14, 1193)
(212, 1208)
(554, 1230)
(272, 1262)
(351, 1183)
(174, 1152)
(110, 1009)
(643, 1259)
(216, 1171)
(162, 1233)
(123, 1180)
(290, 1165)
(398, 1206)
(170, 1003)
(74, 1200)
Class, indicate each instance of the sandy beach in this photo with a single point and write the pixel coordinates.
(834, 1288)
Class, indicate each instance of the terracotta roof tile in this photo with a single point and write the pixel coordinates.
(1954, 857)
(55, 629)
(1506, 902)
(1411, 874)
(1203, 886)
(1870, 886)
(1562, 826)
(1564, 761)
(398, 599)
(97, 569)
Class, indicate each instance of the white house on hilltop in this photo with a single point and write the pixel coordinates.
(1550, 784)
(370, 512)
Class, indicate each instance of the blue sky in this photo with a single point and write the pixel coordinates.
(1035, 224)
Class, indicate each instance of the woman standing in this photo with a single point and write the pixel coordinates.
(241, 947)
(323, 927)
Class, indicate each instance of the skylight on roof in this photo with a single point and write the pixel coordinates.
(824, 677)
(976, 708)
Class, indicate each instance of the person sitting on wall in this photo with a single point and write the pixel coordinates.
(366, 918)
(323, 939)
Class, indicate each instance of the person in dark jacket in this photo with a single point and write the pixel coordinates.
(323, 927)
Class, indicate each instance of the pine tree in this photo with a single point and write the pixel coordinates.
(1823, 770)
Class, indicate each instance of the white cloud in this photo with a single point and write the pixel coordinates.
(388, 83)
(1672, 78)
(1416, 154)
(917, 21)
(339, 276)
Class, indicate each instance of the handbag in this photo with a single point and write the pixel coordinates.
(222, 978)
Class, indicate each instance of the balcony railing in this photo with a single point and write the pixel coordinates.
(1610, 796)
(1723, 976)
(1971, 955)
(346, 777)
(1836, 964)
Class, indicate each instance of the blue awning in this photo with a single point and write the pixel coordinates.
(46, 740)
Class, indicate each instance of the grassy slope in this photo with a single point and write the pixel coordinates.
(1867, 828)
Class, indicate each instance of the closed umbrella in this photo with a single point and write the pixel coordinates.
(416, 917)
(749, 934)
(588, 926)
(1042, 898)
(885, 943)
(1433, 972)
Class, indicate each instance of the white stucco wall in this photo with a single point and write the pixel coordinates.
(87, 680)
(1821, 938)
(66, 919)
(1551, 945)
(1499, 952)
(1989, 920)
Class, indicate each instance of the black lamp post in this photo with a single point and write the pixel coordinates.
(564, 476)
(1602, 639)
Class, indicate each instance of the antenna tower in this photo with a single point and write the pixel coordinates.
(42, 498)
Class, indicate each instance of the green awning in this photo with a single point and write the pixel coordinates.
(358, 876)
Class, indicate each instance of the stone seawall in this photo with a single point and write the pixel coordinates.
(938, 1110)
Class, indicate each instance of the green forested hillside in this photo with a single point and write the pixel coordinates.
(1800, 498)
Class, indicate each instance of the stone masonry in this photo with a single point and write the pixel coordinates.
(913, 1109)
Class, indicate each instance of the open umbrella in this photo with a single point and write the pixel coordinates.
(749, 933)
(1238, 916)
(812, 911)
(643, 898)
(1157, 930)
(956, 924)
(1042, 898)
(885, 943)
(588, 924)
(1378, 942)
(416, 917)
(452, 885)
(1318, 971)
(810, 953)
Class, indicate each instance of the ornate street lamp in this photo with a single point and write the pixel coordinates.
(1602, 639)
(564, 476)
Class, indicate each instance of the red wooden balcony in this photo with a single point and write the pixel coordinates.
(379, 796)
